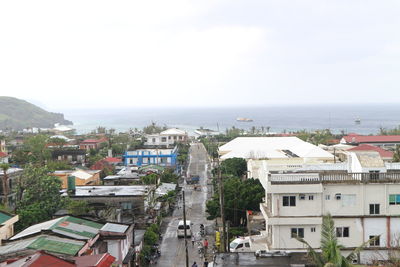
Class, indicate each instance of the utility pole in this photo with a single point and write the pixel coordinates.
(184, 225)
(221, 204)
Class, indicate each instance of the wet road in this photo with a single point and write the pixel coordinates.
(172, 248)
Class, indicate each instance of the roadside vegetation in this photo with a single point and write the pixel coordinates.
(240, 194)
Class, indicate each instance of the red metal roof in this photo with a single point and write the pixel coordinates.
(40, 259)
(3, 155)
(372, 138)
(99, 260)
(365, 147)
(91, 141)
(113, 160)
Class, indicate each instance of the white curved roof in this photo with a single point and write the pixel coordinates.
(173, 131)
(271, 147)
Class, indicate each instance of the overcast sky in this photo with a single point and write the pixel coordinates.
(95, 54)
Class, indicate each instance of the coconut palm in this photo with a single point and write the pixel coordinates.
(330, 255)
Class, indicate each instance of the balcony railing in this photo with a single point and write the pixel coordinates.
(315, 178)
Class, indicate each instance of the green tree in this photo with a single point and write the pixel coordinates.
(55, 165)
(153, 128)
(168, 176)
(4, 167)
(60, 142)
(78, 207)
(239, 196)
(330, 255)
(38, 196)
(234, 166)
(150, 179)
(396, 155)
(37, 150)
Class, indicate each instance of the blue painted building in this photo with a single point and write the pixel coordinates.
(142, 157)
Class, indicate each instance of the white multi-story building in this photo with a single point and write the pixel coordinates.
(166, 138)
(362, 195)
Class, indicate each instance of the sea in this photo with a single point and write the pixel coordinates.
(275, 118)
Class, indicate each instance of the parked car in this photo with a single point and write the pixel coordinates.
(240, 244)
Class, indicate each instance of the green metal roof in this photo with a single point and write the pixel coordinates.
(57, 245)
(78, 227)
(4, 217)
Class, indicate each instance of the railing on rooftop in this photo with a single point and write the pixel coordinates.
(327, 177)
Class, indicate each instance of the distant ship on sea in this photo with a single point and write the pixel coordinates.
(357, 121)
(244, 119)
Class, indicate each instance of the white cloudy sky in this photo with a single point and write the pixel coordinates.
(98, 54)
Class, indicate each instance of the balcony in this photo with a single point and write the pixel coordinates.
(334, 177)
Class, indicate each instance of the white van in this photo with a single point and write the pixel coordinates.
(240, 244)
(181, 229)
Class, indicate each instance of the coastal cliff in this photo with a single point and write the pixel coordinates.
(18, 114)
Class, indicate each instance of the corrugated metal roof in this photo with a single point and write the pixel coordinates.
(44, 242)
(4, 217)
(113, 227)
(69, 226)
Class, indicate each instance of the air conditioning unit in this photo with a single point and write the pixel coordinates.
(338, 196)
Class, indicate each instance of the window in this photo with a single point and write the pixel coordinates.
(374, 175)
(163, 139)
(373, 209)
(153, 140)
(327, 197)
(302, 196)
(239, 246)
(342, 232)
(247, 245)
(338, 196)
(312, 229)
(349, 200)
(289, 201)
(376, 242)
(394, 199)
(297, 231)
(311, 197)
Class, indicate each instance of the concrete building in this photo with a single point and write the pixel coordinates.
(281, 152)
(384, 141)
(141, 157)
(117, 239)
(74, 156)
(7, 222)
(92, 143)
(362, 195)
(166, 138)
(82, 177)
(273, 148)
(130, 200)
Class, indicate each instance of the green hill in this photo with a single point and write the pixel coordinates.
(18, 114)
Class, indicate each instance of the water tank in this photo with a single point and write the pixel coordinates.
(71, 184)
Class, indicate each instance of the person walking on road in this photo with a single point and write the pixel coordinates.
(194, 264)
(205, 245)
(193, 240)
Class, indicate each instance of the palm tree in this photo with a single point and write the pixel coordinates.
(396, 154)
(330, 255)
(5, 167)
